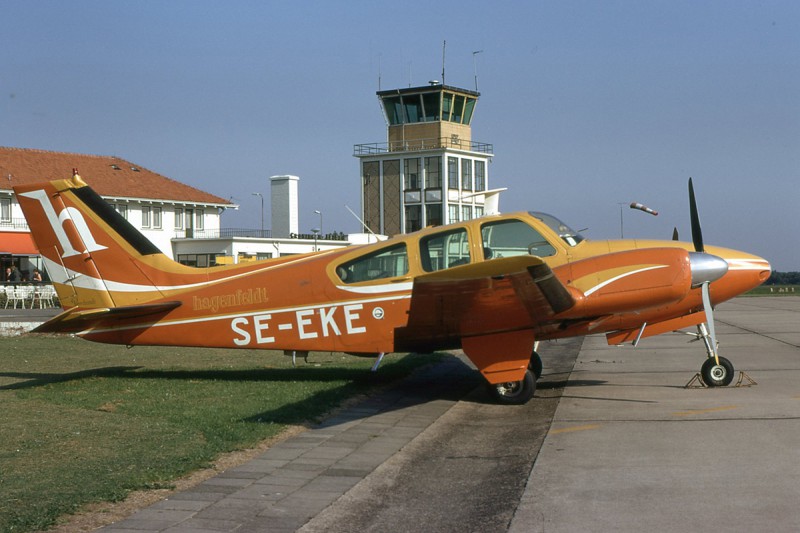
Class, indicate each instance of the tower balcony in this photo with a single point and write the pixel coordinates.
(419, 145)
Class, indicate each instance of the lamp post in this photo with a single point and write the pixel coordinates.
(315, 231)
(262, 212)
(317, 211)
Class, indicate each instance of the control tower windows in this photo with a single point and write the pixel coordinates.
(429, 106)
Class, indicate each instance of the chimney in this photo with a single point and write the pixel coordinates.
(283, 195)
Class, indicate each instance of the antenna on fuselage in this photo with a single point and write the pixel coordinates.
(360, 221)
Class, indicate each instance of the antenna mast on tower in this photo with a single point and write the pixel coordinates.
(444, 48)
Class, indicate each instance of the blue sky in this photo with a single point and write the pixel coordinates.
(588, 104)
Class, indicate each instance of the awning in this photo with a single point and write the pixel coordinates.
(17, 243)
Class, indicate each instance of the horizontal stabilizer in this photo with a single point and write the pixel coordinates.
(75, 320)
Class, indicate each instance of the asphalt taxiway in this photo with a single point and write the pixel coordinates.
(613, 441)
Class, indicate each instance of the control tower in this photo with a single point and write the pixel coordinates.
(429, 170)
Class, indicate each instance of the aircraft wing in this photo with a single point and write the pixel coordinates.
(488, 298)
(75, 320)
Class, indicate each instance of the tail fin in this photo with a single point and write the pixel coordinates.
(94, 256)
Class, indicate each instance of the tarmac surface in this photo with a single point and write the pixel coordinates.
(613, 441)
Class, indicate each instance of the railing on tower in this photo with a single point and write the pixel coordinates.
(416, 145)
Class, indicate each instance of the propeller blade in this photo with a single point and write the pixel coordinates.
(710, 318)
(675, 234)
(697, 233)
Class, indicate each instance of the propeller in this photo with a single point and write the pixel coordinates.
(705, 269)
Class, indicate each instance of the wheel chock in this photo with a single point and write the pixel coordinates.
(749, 383)
(696, 383)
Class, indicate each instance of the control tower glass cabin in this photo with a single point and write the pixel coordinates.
(430, 169)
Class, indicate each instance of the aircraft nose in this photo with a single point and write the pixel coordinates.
(706, 267)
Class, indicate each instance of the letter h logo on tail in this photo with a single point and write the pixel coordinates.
(57, 220)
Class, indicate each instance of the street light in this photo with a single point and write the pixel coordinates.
(262, 211)
(320, 219)
(315, 231)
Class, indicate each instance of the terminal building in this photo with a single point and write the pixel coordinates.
(429, 171)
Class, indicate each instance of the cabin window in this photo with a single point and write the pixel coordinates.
(508, 238)
(444, 250)
(386, 263)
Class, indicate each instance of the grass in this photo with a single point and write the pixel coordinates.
(83, 422)
(775, 290)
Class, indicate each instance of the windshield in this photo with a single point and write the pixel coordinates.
(567, 234)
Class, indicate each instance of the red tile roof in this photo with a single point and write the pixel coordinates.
(107, 175)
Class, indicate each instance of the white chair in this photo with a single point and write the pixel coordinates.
(45, 295)
(13, 295)
(25, 293)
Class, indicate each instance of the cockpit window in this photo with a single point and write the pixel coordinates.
(508, 238)
(444, 250)
(567, 234)
(386, 263)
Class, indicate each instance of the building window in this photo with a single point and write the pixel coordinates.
(199, 220)
(157, 218)
(411, 176)
(466, 174)
(466, 212)
(5, 210)
(122, 209)
(413, 218)
(178, 218)
(198, 260)
(433, 172)
(452, 172)
(145, 216)
(452, 214)
(433, 215)
(480, 175)
(478, 211)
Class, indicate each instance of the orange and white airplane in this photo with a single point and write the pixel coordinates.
(492, 286)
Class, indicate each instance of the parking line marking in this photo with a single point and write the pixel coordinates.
(574, 428)
(692, 412)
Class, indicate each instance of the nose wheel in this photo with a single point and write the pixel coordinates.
(717, 372)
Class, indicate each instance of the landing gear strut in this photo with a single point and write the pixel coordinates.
(716, 371)
(519, 392)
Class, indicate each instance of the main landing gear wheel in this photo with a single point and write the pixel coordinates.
(535, 365)
(717, 375)
(515, 392)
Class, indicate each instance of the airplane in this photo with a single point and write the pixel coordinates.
(494, 287)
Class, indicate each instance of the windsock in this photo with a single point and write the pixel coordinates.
(641, 207)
